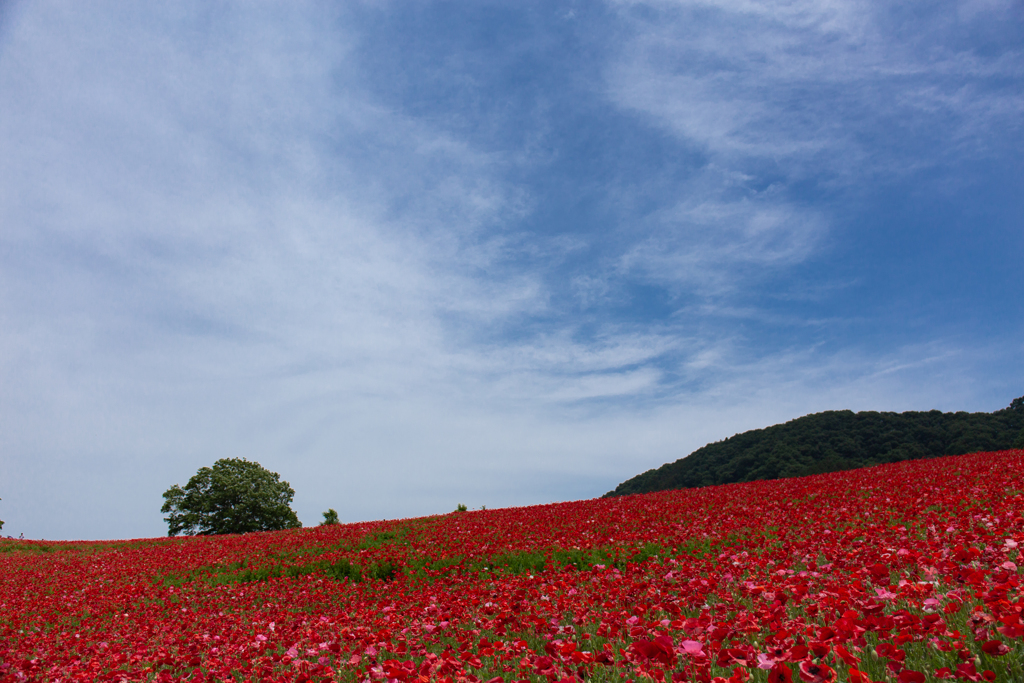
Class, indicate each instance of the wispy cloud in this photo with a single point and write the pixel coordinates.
(808, 82)
(710, 246)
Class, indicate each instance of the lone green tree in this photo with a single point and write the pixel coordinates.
(330, 517)
(234, 496)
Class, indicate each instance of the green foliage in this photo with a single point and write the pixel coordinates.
(543, 559)
(461, 508)
(330, 517)
(235, 496)
(1, 521)
(384, 538)
(241, 572)
(385, 571)
(832, 441)
(341, 570)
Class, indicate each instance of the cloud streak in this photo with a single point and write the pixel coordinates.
(809, 84)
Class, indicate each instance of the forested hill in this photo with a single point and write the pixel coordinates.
(835, 440)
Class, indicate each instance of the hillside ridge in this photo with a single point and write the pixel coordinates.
(831, 441)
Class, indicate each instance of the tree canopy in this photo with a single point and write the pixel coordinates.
(234, 496)
(330, 517)
(835, 440)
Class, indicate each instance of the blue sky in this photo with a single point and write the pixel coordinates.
(410, 255)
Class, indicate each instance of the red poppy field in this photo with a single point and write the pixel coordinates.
(901, 573)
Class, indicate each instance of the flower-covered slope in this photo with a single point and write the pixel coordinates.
(900, 573)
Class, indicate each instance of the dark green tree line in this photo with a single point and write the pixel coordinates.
(835, 440)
